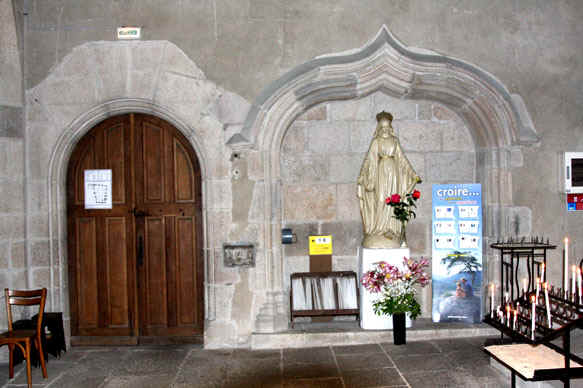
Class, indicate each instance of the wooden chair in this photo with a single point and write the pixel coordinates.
(22, 338)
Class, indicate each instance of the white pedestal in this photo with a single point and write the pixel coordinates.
(367, 258)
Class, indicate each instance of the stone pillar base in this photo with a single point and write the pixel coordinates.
(273, 316)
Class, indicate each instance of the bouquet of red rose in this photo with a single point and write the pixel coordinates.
(403, 210)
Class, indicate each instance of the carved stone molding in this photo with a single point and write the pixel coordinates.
(497, 120)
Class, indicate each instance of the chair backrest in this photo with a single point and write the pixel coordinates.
(26, 298)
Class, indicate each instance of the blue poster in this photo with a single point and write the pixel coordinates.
(457, 253)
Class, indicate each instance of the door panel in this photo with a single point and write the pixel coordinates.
(116, 254)
(168, 193)
(87, 275)
(144, 255)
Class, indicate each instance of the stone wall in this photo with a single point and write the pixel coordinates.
(13, 263)
(322, 153)
(194, 53)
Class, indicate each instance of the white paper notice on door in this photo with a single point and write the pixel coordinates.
(97, 189)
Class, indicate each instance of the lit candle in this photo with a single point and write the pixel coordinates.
(579, 281)
(492, 300)
(533, 316)
(573, 289)
(542, 276)
(566, 268)
(524, 285)
(537, 288)
(506, 297)
(508, 315)
(545, 286)
(514, 321)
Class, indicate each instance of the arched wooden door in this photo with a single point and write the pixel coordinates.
(136, 270)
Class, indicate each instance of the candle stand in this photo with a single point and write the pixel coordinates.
(535, 355)
(533, 253)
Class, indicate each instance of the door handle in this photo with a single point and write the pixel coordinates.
(140, 255)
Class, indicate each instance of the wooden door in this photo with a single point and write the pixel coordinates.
(136, 269)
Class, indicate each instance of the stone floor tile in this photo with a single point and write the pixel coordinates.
(373, 378)
(453, 344)
(471, 360)
(75, 381)
(150, 362)
(363, 361)
(418, 363)
(258, 354)
(254, 382)
(410, 348)
(308, 355)
(357, 349)
(435, 379)
(307, 371)
(163, 381)
(334, 382)
(249, 367)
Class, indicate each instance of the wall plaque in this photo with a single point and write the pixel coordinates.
(239, 254)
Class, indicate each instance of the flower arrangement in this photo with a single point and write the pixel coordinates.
(397, 287)
(403, 210)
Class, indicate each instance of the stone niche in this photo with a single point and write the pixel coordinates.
(321, 156)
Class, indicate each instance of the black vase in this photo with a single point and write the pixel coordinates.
(399, 330)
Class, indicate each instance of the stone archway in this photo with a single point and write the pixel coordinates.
(84, 89)
(498, 122)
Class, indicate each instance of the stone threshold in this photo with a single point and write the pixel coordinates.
(349, 333)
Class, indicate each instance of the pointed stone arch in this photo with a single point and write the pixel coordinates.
(497, 120)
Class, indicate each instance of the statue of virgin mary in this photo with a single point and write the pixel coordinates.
(385, 171)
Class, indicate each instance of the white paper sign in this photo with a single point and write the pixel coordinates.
(445, 242)
(468, 211)
(468, 242)
(469, 226)
(444, 212)
(444, 227)
(98, 189)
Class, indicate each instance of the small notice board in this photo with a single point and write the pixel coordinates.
(320, 245)
(98, 189)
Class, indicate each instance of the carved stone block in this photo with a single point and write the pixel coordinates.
(239, 254)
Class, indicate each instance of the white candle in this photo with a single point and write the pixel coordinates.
(547, 304)
(566, 268)
(506, 297)
(492, 301)
(537, 288)
(573, 289)
(508, 315)
(579, 280)
(533, 316)
(514, 322)
(542, 276)
(524, 285)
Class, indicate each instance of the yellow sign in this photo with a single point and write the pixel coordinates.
(320, 245)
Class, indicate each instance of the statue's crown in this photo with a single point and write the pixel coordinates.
(384, 115)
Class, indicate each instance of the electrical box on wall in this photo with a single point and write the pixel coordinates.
(573, 172)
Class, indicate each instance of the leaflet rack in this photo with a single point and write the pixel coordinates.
(313, 295)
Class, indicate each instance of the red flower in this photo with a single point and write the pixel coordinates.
(396, 198)
(416, 194)
(388, 200)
